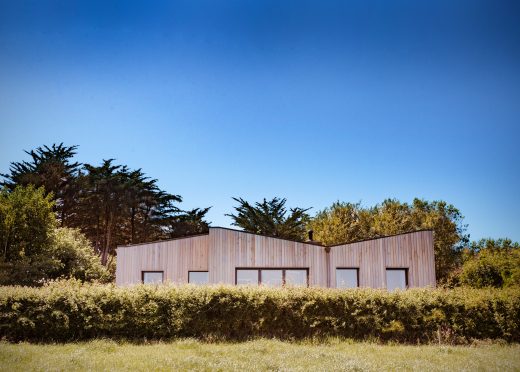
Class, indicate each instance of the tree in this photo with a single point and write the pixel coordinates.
(75, 256)
(26, 224)
(342, 222)
(26, 221)
(52, 168)
(491, 263)
(110, 203)
(188, 223)
(347, 222)
(119, 206)
(34, 249)
(271, 218)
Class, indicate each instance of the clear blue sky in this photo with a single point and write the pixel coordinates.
(313, 101)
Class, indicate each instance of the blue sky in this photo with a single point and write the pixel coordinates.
(315, 101)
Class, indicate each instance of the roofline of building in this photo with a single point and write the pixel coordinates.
(268, 236)
(274, 237)
(379, 237)
(164, 240)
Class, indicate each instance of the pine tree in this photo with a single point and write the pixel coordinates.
(271, 218)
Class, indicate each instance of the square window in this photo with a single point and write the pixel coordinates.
(152, 277)
(198, 277)
(396, 279)
(247, 277)
(347, 278)
(296, 277)
(271, 278)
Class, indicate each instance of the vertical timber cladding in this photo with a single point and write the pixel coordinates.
(231, 249)
(223, 250)
(175, 257)
(413, 251)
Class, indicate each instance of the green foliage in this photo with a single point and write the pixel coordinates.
(71, 311)
(491, 263)
(33, 248)
(76, 258)
(52, 168)
(348, 222)
(111, 204)
(27, 222)
(342, 223)
(271, 218)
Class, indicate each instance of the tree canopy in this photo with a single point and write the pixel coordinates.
(271, 217)
(348, 222)
(110, 203)
(34, 249)
(490, 263)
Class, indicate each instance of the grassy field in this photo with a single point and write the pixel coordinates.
(256, 355)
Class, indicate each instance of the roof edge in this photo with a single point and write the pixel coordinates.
(268, 236)
(379, 237)
(318, 244)
(162, 241)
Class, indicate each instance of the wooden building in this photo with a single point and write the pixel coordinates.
(229, 256)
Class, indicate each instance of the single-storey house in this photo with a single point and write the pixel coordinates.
(228, 256)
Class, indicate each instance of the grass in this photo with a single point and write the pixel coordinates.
(256, 355)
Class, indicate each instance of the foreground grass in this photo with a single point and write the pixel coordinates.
(256, 355)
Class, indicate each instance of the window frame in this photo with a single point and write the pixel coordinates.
(283, 269)
(405, 269)
(347, 268)
(152, 271)
(197, 271)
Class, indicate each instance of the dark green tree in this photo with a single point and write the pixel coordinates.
(271, 217)
(101, 206)
(110, 203)
(188, 223)
(50, 167)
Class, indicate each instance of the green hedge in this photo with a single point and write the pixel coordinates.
(67, 311)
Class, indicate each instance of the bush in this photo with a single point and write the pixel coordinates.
(34, 249)
(65, 311)
(491, 263)
(75, 257)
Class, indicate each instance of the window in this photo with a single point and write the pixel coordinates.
(198, 277)
(296, 278)
(272, 277)
(247, 277)
(152, 277)
(347, 278)
(396, 279)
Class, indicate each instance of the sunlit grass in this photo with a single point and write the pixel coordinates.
(257, 355)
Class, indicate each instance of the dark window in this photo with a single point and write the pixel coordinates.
(396, 279)
(273, 277)
(152, 277)
(347, 278)
(198, 277)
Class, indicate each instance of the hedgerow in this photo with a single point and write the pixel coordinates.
(66, 311)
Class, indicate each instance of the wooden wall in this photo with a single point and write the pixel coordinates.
(223, 250)
(231, 249)
(174, 257)
(413, 251)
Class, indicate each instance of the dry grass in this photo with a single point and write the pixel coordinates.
(256, 355)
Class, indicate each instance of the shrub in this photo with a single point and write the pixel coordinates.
(64, 311)
(491, 263)
(75, 257)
